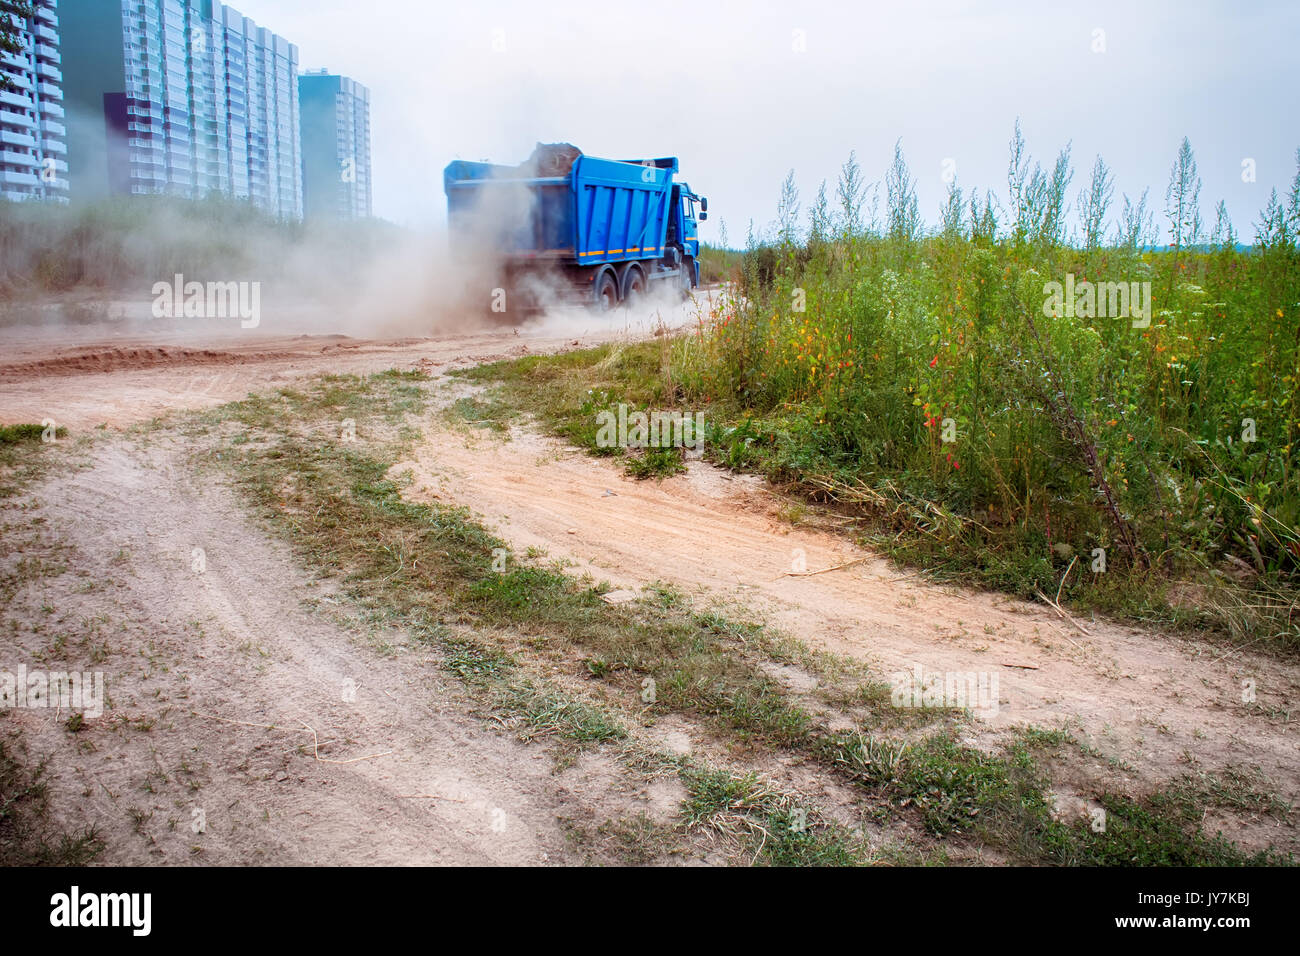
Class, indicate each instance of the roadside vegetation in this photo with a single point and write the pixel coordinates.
(719, 264)
(24, 456)
(934, 384)
(547, 657)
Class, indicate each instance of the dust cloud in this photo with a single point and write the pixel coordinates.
(137, 265)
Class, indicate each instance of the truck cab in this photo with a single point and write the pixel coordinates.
(688, 211)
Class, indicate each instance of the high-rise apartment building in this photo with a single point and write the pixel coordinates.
(180, 97)
(335, 146)
(33, 151)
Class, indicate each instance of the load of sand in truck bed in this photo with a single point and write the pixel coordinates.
(550, 159)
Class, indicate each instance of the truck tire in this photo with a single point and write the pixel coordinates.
(687, 277)
(634, 285)
(606, 292)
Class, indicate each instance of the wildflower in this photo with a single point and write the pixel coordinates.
(934, 361)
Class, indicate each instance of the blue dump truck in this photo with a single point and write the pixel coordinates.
(566, 226)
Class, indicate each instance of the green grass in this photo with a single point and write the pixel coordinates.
(473, 663)
(848, 362)
(27, 835)
(1002, 800)
(567, 394)
(639, 840)
(775, 829)
(24, 456)
(546, 713)
(25, 434)
(477, 413)
(720, 265)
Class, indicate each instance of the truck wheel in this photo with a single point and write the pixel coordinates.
(687, 277)
(633, 286)
(606, 293)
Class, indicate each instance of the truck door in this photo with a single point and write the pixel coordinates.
(674, 234)
(690, 227)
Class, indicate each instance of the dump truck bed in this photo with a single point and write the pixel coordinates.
(588, 211)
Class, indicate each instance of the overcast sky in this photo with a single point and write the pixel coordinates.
(744, 91)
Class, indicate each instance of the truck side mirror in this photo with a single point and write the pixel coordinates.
(704, 204)
(703, 216)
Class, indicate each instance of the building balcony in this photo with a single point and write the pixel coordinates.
(53, 128)
(16, 99)
(16, 159)
(54, 146)
(45, 33)
(52, 109)
(18, 179)
(50, 91)
(17, 119)
(48, 53)
(49, 71)
(10, 138)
